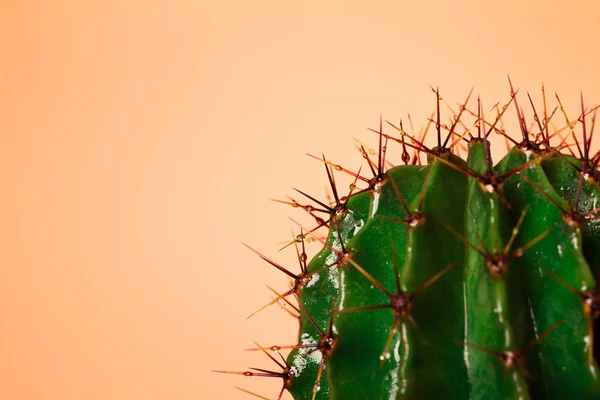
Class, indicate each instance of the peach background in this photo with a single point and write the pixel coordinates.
(140, 142)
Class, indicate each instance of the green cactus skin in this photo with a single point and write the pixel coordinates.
(498, 288)
(564, 356)
(356, 356)
(323, 287)
(456, 279)
(562, 172)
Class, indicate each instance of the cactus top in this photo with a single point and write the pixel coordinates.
(455, 279)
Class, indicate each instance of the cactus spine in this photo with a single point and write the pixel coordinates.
(461, 279)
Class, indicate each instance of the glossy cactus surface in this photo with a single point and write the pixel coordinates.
(455, 279)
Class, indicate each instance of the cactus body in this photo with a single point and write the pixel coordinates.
(456, 279)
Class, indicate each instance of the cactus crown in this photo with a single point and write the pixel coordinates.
(457, 278)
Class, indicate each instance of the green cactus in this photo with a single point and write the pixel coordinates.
(455, 279)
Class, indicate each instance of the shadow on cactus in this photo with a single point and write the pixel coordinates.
(454, 278)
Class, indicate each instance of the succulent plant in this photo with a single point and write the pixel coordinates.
(460, 279)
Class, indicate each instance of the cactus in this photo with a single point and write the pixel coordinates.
(455, 279)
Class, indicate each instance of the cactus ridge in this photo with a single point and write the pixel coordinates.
(461, 278)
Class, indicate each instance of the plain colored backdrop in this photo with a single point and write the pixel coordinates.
(140, 142)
